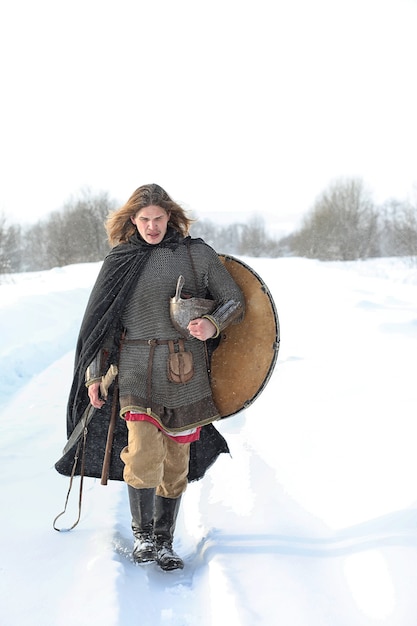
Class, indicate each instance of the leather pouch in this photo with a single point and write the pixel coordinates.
(180, 363)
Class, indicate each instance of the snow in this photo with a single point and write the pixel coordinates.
(312, 521)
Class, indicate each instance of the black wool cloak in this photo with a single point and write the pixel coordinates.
(119, 273)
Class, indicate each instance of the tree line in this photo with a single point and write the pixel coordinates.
(343, 224)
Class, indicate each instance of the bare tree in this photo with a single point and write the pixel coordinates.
(85, 217)
(61, 244)
(10, 247)
(34, 245)
(341, 226)
(4, 265)
(73, 234)
(255, 240)
(253, 237)
(400, 228)
(225, 239)
(206, 229)
(249, 239)
(228, 238)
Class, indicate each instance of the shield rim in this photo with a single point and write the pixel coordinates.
(276, 343)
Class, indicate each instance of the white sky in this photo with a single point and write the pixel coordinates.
(232, 106)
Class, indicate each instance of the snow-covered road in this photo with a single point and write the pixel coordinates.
(311, 522)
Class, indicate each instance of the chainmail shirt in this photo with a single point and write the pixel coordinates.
(175, 406)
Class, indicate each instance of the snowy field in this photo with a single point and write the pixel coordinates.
(312, 522)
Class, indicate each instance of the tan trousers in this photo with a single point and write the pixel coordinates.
(154, 460)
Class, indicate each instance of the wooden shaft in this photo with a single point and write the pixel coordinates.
(110, 437)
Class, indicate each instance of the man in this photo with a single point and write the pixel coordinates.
(164, 387)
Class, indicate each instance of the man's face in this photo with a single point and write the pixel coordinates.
(152, 223)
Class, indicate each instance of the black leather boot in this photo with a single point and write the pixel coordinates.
(142, 502)
(166, 511)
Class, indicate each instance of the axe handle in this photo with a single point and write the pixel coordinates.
(109, 442)
(112, 373)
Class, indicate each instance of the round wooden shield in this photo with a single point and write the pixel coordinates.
(243, 362)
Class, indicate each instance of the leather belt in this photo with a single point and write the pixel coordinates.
(152, 343)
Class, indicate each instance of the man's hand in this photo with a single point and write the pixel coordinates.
(93, 394)
(201, 328)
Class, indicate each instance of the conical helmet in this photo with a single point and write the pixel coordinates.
(183, 310)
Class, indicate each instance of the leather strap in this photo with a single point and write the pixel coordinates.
(80, 448)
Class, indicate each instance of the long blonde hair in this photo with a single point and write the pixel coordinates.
(119, 226)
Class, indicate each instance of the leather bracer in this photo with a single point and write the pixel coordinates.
(224, 315)
(94, 371)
